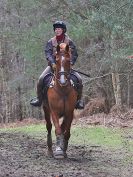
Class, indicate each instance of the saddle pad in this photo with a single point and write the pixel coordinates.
(75, 80)
(47, 80)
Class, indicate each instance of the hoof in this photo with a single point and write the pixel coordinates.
(58, 153)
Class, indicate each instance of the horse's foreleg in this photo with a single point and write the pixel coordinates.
(49, 128)
(55, 119)
(59, 152)
(67, 125)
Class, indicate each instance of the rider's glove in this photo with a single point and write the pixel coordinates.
(54, 66)
(72, 63)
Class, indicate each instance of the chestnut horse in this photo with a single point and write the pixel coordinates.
(62, 99)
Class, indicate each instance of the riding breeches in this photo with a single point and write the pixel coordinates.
(44, 73)
(40, 83)
(77, 80)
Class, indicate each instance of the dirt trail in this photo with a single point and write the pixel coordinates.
(24, 156)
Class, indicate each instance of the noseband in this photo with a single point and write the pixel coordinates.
(62, 73)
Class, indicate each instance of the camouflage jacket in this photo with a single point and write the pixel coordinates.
(51, 48)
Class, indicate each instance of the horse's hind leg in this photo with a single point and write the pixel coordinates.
(49, 128)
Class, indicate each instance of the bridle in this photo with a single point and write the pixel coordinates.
(62, 71)
(62, 76)
(58, 75)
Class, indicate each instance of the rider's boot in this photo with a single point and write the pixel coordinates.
(40, 85)
(38, 100)
(80, 102)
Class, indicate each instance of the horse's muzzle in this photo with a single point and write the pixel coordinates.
(63, 78)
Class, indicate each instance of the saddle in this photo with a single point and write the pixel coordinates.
(75, 81)
(47, 82)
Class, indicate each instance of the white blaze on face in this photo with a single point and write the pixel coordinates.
(62, 78)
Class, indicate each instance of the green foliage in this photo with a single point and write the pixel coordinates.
(31, 42)
(98, 136)
(86, 20)
(30, 4)
(27, 25)
(78, 31)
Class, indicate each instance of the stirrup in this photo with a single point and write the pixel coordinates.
(35, 102)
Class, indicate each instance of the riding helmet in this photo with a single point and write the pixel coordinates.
(59, 24)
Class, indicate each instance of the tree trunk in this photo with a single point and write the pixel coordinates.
(117, 88)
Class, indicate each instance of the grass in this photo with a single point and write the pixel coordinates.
(97, 136)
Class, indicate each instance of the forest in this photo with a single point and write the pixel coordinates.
(101, 142)
(102, 32)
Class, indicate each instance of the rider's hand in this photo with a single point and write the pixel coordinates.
(72, 63)
(54, 66)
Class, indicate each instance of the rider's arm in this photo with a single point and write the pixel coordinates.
(49, 52)
(74, 52)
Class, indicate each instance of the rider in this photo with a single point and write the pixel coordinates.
(60, 36)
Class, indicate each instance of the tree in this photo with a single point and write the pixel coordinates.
(102, 32)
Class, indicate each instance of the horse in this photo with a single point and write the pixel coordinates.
(61, 99)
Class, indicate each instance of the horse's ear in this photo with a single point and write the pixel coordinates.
(58, 48)
(67, 48)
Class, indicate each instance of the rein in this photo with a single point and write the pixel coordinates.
(60, 73)
(87, 75)
(63, 73)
